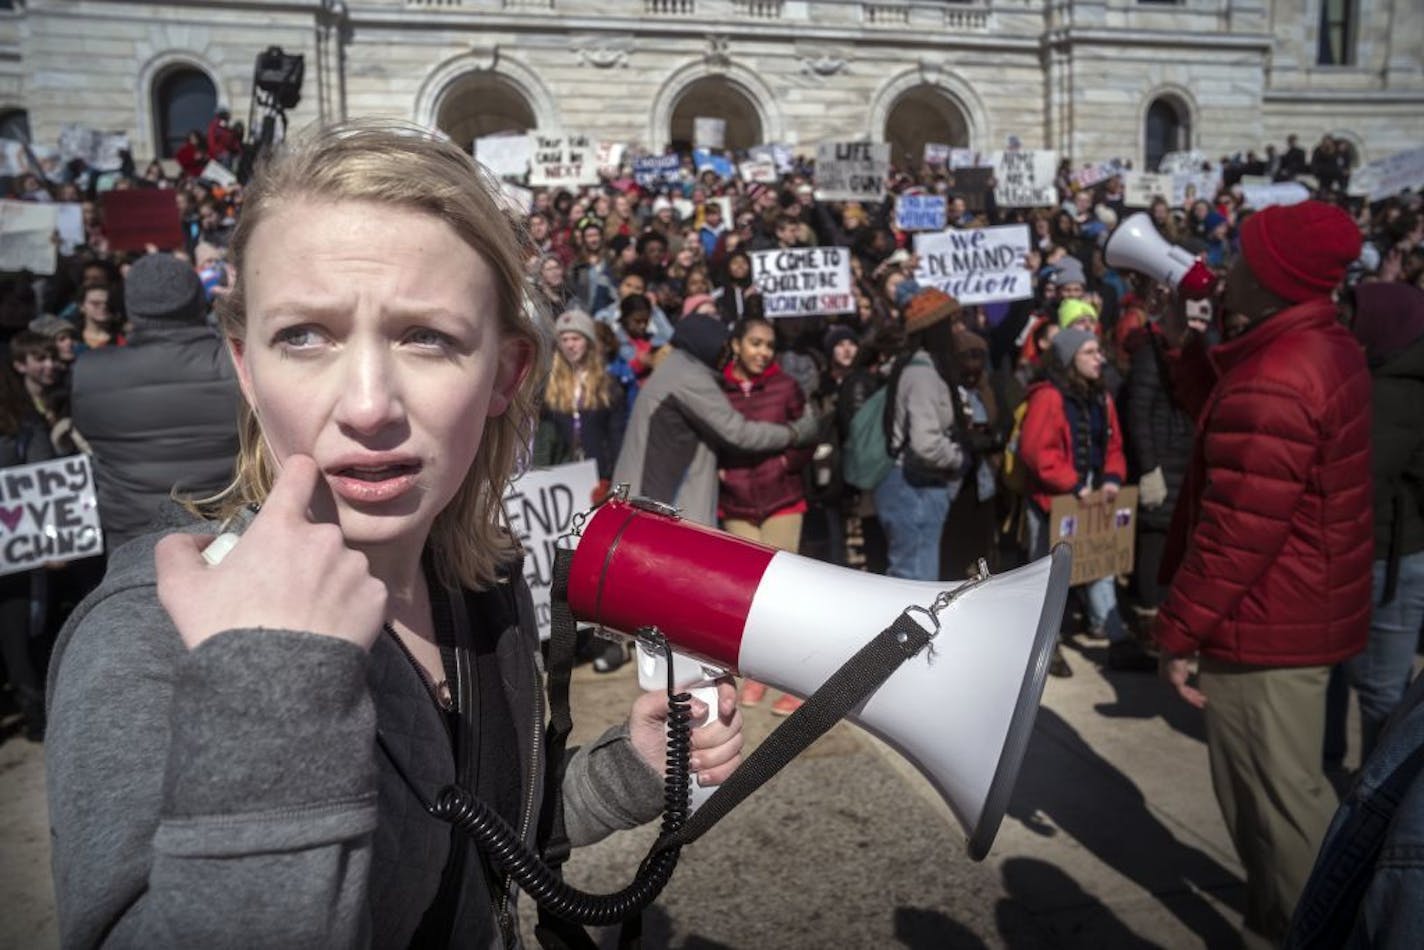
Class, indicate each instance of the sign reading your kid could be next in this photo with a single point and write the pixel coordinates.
(800, 281)
(48, 512)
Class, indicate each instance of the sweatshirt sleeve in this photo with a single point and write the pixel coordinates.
(217, 797)
(925, 409)
(708, 410)
(607, 788)
(1042, 447)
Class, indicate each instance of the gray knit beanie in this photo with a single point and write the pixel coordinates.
(1067, 343)
(161, 287)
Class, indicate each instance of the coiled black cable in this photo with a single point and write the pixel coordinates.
(502, 845)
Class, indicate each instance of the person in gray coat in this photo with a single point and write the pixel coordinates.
(161, 412)
(683, 418)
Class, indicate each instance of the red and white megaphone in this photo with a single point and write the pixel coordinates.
(961, 711)
(1136, 245)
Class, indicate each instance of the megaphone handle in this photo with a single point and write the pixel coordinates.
(707, 693)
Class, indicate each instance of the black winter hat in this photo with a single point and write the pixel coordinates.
(702, 336)
(161, 287)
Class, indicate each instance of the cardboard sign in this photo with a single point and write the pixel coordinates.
(1102, 535)
(965, 158)
(1388, 176)
(1281, 193)
(650, 171)
(717, 164)
(709, 132)
(1024, 178)
(48, 512)
(759, 171)
(936, 153)
(562, 161)
(507, 156)
(973, 185)
(1090, 175)
(851, 171)
(136, 218)
(26, 236)
(69, 222)
(539, 507)
(1140, 189)
(982, 265)
(920, 212)
(800, 281)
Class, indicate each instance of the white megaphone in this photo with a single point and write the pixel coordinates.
(1136, 245)
(960, 711)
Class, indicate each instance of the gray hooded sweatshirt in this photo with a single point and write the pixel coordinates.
(232, 795)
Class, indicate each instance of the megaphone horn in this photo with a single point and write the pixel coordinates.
(961, 712)
(1136, 245)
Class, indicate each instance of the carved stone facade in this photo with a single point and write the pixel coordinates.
(1080, 76)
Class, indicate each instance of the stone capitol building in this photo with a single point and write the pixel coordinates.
(1093, 79)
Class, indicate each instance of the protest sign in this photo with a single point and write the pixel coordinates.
(973, 185)
(763, 172)
(27, 236)
(609, 156)
(69, 222)
(518, 201)
(965, 158)
(799, 281)
(982, 265)
(851, 171)
(1281, 193)
(1101, 534)
(1390, 175)
(1024, 178)
(13, 162)
(779, 154)
(719, 165)
(98, 150)
(562, 161)
(1191, 186)
(652, 170)
(48, 512)
(709, 132)
(936, 153)
(507, 156)
(1139, 189)
(1090, 175)
(135, 218)
(1181, 162)
(218, 174)
(920, 212)
(540, 506)
(18, 158)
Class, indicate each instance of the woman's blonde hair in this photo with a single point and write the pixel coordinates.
(402, 166)
(596, 390)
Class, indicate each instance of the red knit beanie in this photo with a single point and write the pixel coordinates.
(1300, 251)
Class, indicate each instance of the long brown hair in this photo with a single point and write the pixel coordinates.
(401, 166)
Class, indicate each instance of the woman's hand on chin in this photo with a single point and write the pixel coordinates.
(286, 573)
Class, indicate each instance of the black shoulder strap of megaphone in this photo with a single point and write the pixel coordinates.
(847, 688)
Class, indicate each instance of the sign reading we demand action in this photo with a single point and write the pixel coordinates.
(983, 265)
(800, 281)
(48, 513)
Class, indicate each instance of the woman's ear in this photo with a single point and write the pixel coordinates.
(237, 349)
(516, 361)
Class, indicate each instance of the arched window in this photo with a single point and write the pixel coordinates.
(1168, 130)
(184, 99)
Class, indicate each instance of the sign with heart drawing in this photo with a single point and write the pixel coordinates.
(48, 513)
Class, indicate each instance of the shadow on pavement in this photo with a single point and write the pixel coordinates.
(1085, 921)
(1066, 785)
(920, 929)
(1140, 695)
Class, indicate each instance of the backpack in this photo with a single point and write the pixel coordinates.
(864, 459)
(1014, 473)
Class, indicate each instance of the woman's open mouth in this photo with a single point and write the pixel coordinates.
(373, 482)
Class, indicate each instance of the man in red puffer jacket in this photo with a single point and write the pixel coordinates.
(1271, 543)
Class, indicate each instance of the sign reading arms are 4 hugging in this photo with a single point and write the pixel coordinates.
(48, 512)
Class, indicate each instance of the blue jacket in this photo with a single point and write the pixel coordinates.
(1367, 888)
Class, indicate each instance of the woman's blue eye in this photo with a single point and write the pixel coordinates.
(297, 337)
(423, 336)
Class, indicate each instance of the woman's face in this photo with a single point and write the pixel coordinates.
(738, 267)
(573, 345)
(697, 283)
(844, 353)
(631, 286)
(1088, 361)
(600, 207)
(552, 272)
(373, 345)
(755, 349)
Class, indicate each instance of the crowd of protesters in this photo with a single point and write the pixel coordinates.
(669, 374)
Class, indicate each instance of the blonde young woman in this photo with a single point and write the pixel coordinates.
(214, 771)
(583, 414)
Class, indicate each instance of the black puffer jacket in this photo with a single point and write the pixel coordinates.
(159, 413)
(1159, 431)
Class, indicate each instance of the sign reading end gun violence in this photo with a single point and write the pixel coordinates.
(48, 512)
(540, 506)
(799, 281)
(1100, 533)
(982, 265)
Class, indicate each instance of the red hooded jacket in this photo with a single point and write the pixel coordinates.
(1050, 448)
(1272, 542)
(758, 486)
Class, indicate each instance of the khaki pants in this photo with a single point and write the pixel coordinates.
(782, 531)
(1265, 728)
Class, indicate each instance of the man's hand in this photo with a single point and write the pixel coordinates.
(1110, 490)
(1152, 489)
(716, 746)
(1176, 671)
